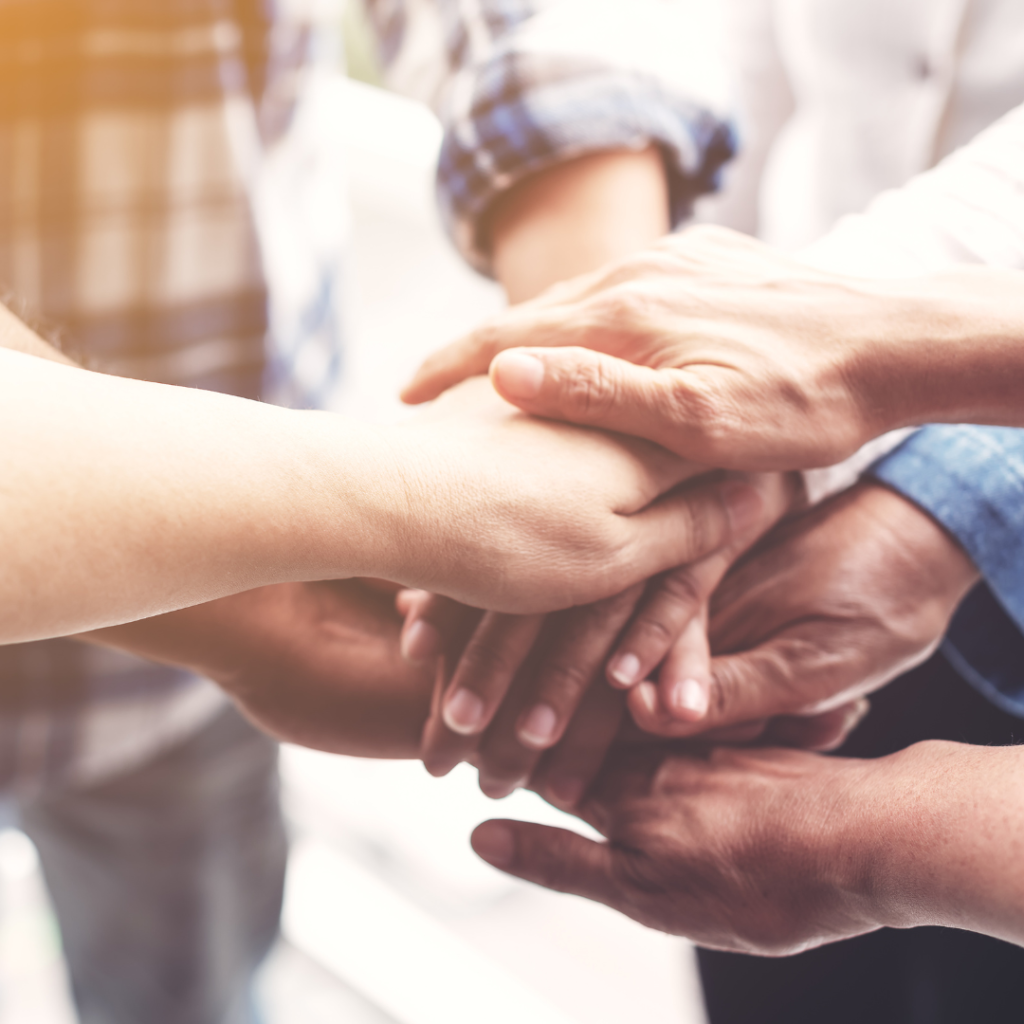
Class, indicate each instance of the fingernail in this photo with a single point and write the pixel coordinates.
(495, 844)
(463, 712)
(743, 504)
(857, 713)
(539, 725)
(566, 792)
(647, 695)
(625, 669)
(517, 374)
(420, 642)
(691, 697)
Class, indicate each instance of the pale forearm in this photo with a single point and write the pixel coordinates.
(576, 217)
(121, 499)
(941, 833)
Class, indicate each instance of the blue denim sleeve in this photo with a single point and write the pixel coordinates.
(971, 479)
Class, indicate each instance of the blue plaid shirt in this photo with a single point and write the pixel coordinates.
(521, 86)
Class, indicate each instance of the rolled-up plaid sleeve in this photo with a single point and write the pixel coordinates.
(521, 86)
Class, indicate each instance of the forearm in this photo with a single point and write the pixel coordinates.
(576, 217)
(121, 499)
(946, 348)
(316, 664)
(937, 838)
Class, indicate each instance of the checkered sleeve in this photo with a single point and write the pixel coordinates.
(522, 85)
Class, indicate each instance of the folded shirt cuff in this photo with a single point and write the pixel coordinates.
(971, 480)
(570, 107)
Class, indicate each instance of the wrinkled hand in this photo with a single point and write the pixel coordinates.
(831, 606)
(509, 512)
(709, 343)
(526, 698)
(747, 850)
(311, 663)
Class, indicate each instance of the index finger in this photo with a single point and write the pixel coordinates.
(469, 356)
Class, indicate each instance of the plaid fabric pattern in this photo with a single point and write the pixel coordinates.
(126, 234)
(520, 87)
(124, 225)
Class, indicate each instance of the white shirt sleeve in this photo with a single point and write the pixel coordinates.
(968, 209)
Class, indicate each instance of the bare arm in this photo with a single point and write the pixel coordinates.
(122, 499)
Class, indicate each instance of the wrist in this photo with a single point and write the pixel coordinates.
(944, 348)
(348, 500)
(935, 837)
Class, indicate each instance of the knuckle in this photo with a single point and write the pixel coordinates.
(554, 861)
(483, 662)
(591, 390)
(655, 629)
(561, 681)
(682, 590)
(695, 405)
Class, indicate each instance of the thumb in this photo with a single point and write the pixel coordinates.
(776, 678)
(791, 674)
(579, 385)
(553, 857)
(687, 525)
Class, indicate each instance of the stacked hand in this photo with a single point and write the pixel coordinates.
(736, 355)
(708, 343)
(827, 608)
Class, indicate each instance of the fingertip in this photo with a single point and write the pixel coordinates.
(642, 702)
(538, 727)
(688, 699)
(438, 767)
(624, 670)
(420, 642)
(463, 712)
(498, 789)
(420, 389)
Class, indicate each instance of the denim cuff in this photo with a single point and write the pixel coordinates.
(971, 480)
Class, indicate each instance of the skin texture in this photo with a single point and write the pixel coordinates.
(777, 851)
(571, 218)
(511, 685)
(124, 499)
(738, 356)
(831, 606)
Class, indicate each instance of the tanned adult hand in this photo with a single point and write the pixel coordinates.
(737, 355)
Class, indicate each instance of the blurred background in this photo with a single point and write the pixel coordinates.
(389, 916)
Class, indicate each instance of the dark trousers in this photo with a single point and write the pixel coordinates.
(919, 976)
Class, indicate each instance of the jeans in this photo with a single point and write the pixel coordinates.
(167, 881)
(918, 976)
